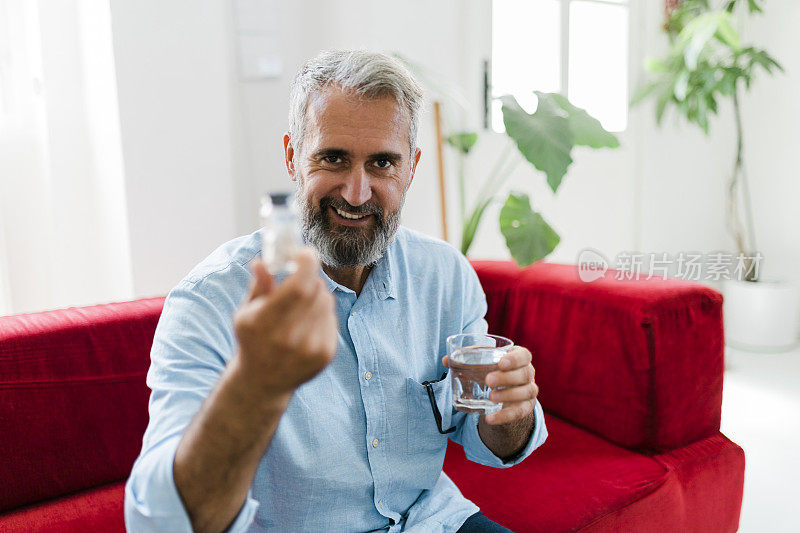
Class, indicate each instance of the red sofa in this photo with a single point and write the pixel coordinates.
(630, 376)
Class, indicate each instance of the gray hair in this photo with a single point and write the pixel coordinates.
(367, 74)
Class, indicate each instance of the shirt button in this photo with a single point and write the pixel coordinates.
(380, 502)
(368, 376)
(374, 443)
(353, 313)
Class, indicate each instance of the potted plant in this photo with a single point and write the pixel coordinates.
(706, 62)
(544, 139)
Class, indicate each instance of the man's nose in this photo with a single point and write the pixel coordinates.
(357, 189)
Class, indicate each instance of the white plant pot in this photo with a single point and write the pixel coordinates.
(762, 315)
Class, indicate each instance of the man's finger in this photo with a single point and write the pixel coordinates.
(520, 393)
(262, 281)
(303, 283)
(516, 357)
(321, 310)
(446, 361)
(307, 263)
(510, 378)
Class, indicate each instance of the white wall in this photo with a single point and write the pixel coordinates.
(173, 62)
(682, 172)
(771, 119)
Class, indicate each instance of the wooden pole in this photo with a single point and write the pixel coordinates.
(437, 114)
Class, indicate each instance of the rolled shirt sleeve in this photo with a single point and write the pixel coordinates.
(476, 451)
(152, 502)
(467, 435)
(192, 344)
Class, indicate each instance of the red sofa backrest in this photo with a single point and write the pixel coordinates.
(73, 399)
(638, 361)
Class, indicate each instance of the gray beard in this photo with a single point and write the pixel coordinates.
(343, 246)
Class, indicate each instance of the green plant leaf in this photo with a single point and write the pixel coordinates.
(644, 91)
(586, 130)
(726, 33)
(711, 102)
(695, 36)
(681, 86)
(727, 84)
(661, 103)
(656, 66)
(472, 223)
(544, 138)
(463, 142)
(762, 58)
(528, 237)
(705, 61)
(753, 6)
(702, 113)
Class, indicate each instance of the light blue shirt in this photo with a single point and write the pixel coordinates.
(357, 448)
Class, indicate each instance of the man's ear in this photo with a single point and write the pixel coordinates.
(414, 161)
(288, 152)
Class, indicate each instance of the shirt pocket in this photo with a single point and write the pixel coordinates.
(423, 439)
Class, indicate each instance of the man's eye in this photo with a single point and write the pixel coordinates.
(333, 159)
(383, 163)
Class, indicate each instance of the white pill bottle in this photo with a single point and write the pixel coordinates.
(281, 237)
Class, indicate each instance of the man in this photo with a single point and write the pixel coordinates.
(299, 406)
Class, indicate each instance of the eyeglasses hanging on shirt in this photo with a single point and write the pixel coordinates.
(436, 414)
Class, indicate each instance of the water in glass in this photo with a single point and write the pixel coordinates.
(469, 366)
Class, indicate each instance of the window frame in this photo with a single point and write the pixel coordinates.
(564, 51)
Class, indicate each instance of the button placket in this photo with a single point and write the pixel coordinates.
(373, 400)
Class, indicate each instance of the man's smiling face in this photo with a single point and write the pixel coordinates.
(353, 169)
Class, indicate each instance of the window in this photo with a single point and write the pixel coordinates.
(576, 47)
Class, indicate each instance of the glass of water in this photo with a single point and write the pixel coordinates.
(472, 356)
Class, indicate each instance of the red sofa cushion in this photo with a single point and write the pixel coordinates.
(570, 480)
(639, 362)
(97, 509)
(73, 398)
(577, 480)
(703, 493)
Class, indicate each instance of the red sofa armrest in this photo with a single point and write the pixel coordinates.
(73, 400)
(639, 362)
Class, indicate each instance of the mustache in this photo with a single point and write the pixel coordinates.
(363, 209)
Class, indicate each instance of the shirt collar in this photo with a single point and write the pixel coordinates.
(382, 276)
(380, 279)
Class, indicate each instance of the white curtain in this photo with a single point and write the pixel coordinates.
(63, 222)
(5, 283)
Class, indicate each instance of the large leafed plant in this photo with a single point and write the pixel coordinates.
(545, 140)
(706, 63)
